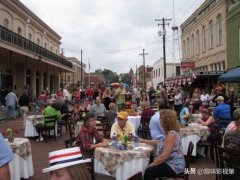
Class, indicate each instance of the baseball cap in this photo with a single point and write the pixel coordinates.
(123, 115)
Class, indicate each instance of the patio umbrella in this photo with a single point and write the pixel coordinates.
(232, 76)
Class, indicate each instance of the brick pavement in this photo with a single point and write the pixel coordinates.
(40, 153)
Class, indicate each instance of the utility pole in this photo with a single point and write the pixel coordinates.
(81, 71)
(144, 71)
(163, 24)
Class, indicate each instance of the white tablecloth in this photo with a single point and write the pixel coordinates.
(185, 142)
(21, 167)
(30, 130)
(126, 170)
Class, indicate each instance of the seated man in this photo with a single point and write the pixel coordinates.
(156, 129)
(222, 111)
(89, 139)
(122, 125)
(98, 109)
(6, 156)
(52, 110)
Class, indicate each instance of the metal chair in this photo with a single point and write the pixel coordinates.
(50, 126)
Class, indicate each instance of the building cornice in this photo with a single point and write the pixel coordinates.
(19, 8)
(201, 12)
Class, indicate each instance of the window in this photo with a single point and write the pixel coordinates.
(51, 48)
(219, 26)
(38, 41)
(30, 36)
(211, 34)
(192, 46)
(215, 67)
(188, 48)
(19, 31)
(159, 72)
(198, 42)
(204, 38)
(211, 67)
(45, 45)
(183, 49)
(219, 66)
(5, 23)
(68, 78)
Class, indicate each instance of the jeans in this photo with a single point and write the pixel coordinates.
(159, 171)
(11, 112)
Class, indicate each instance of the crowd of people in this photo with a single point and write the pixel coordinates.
(174, 107)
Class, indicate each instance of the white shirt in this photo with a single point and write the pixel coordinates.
(204, 98)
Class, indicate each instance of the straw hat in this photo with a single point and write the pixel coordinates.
(64, 158)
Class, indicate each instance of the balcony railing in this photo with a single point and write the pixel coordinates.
(23, 43)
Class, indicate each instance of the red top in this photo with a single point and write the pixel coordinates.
(90, 92)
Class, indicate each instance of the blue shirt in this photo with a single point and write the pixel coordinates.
(184, 111)
(6, 154)
(156, 130)
(222, 111)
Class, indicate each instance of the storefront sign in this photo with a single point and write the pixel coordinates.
(213, 73)
(187, 64)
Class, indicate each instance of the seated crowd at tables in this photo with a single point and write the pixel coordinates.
(164, 124)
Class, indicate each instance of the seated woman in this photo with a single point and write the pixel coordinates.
(87, 105)
(89, 139)
(52, 110)
(184, 112)
(170, 159)
(111, 115)
(232, 138)
(73, 167)
(207, 120)
(146, 114)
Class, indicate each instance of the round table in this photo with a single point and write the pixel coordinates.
(122, 164)
(193, 132)
(22, 165)
(30, 130)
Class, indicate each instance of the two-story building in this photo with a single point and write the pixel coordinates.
(204, 39)
(29, 51)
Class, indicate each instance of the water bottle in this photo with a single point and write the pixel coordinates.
(114, 140)
(136, 140)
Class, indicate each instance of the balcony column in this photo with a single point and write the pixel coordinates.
(41, 86)
(33, 80)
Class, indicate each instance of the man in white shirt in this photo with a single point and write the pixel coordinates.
(11, 102)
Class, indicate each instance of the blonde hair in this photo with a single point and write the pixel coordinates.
(169, 120)
(112, 106)
(79, 172)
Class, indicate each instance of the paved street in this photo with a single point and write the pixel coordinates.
(40, 153)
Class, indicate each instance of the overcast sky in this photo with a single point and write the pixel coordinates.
(112, 33)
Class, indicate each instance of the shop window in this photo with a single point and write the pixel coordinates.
(6, 23)
(223, 65)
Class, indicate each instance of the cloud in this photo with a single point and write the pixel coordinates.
(112, 33)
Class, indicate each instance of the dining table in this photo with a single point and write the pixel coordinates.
(193, 132)
(22, 164)
(122, 164)
(31, 121)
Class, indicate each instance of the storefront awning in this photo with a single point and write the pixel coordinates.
(232, 76)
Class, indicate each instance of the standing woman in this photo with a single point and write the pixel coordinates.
(178, 101)
(107, 98)
(169, 160)
(196, 100)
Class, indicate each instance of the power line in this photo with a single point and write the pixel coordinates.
(144, 67)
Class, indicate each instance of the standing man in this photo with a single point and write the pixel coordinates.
(11, 102)
(23, 103)
(152, 96)
(6, 156)
(120, 97)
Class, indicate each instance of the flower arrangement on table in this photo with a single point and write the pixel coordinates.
(186, 118)
(123, 140)
(9, 134)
